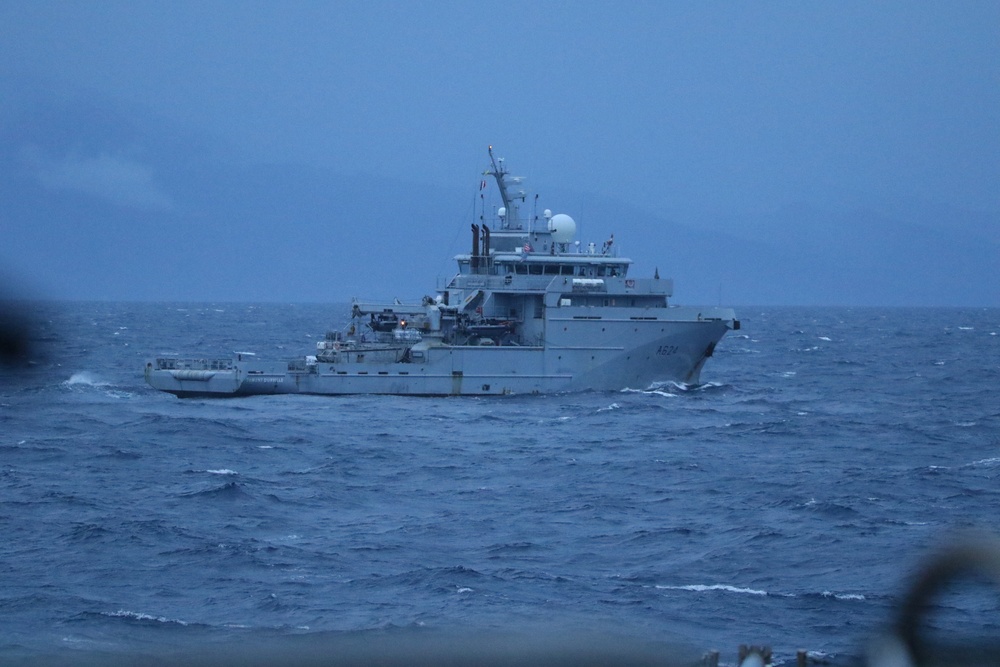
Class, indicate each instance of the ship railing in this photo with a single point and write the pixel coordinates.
(519, 282)
(173, 363)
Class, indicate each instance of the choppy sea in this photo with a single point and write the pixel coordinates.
(787, 501)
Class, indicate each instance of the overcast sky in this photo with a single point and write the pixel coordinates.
(700, 111)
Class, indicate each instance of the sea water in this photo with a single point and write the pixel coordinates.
(787, 500)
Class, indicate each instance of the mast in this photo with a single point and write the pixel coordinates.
(504, 179)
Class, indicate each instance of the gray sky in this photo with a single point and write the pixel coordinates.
(704, 113)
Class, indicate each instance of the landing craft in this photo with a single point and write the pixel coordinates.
(529, 311)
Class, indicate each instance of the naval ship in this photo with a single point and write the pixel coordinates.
(530, 310)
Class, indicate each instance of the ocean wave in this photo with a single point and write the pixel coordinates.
(990, 462)
(85, 378)
(703, 588)
(671, 388)
(143, 618)
(229, 490)
(843, 596)
(510, 547)
(83, 532)
(755, 592)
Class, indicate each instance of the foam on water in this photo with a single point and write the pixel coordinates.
(85, 378)
(139, 616)
(702, 588)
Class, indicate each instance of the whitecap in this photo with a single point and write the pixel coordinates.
(825, 338)
(85, 378)
(464, 590)
(613, 406)
(139, 616)
(663, 389)
(701, 588)
(842, 596)
(987, 462)
(117, 393)
(659, 392)
(222, 471)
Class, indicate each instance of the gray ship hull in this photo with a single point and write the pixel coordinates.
(591, 354)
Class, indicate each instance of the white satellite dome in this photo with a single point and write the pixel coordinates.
(562, 227)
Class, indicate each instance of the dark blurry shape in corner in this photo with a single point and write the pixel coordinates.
(15, 330)
(969, 556)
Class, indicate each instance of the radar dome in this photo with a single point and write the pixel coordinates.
(562, 227)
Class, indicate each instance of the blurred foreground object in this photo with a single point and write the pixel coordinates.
(15, 340)
(908, 645)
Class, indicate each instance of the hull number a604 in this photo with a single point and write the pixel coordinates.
(665, 350)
